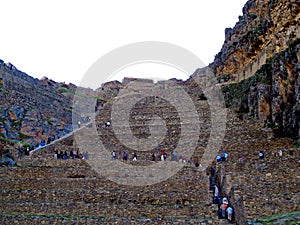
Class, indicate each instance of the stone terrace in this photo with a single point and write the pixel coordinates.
(45, 190)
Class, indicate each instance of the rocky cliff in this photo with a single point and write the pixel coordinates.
(258, 65)
(32, 110)
(266, 27)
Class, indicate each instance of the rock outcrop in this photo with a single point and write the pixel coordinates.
(32, 110)
(272, 94)
(258, 65)
(266, 27)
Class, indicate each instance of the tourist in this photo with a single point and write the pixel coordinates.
(65, 155)
(77, 154)
(40, 144)
(153, 157)
(72, 154)
(229, 212)
(261, 155)
(225, 200)
(27, 151)
(218, 158)
(226, 156)
(223, 158)
(280, 153)
(107, 124)
(124, 156)
(223, 208)
(55, 154)
(113, 155)
(162, 156)
(134, 157)
(216, 198)
(59, 154)
(216, 191)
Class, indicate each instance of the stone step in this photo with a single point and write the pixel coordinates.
(68, 178)
(151, 197)
(82, 219)
(113, 210)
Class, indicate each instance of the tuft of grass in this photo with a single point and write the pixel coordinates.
(65, 90)
(289, 218)
(23, 136)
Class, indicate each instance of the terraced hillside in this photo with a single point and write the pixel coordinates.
(44, 190)
(258, 71)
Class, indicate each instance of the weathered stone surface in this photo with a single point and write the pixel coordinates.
(272, 94)
(264, 43)
(265, 25)
(33, 110)
(264, 111)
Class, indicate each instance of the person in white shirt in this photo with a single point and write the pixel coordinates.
(216, 194)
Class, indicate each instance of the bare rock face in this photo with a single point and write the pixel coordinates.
(266, 27)
(264, 109)
(32, 110)
(272, 93)
(260, 58)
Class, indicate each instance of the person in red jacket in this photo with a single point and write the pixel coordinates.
(162, 155)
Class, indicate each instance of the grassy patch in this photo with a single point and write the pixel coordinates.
(288, 218)
(23, 136)
(65, 90)
(11, 141)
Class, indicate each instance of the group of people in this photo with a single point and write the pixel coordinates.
(124, 156)
(222, 158)
(277, 153)
(173, 157)
(225, 210)
(21, 151)
(162, 156)
(261, 155)
(71, 155)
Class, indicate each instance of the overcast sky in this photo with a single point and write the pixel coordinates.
(62, 39)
